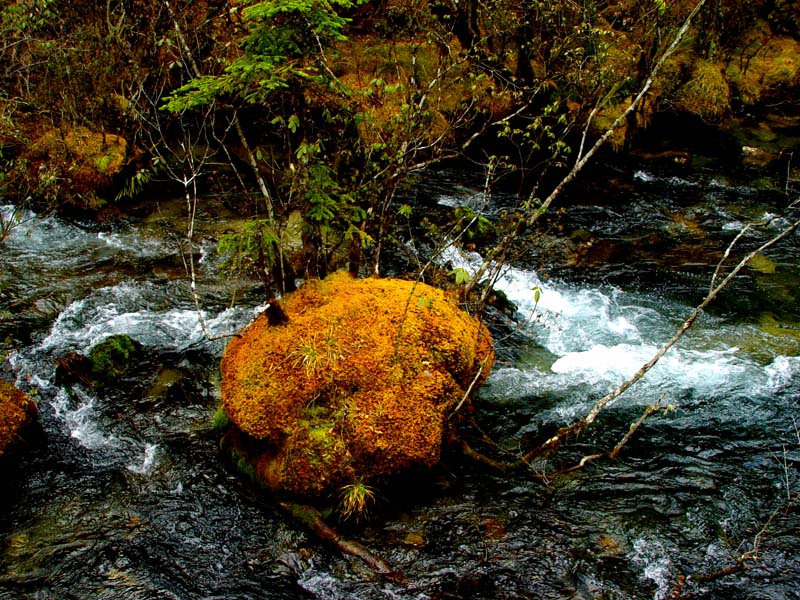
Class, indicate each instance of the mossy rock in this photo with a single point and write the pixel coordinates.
(81, 165)
(17, 410)
(772, 72)
(359, 383)
(101, 153)
(113, 358)
(706, 93)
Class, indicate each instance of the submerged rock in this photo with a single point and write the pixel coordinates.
(17, 411)
(357, 383)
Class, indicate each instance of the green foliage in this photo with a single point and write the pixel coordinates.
(355, 499)
(325, 197)
(251, 251)
(541, 134)
(462, 275)
(286, 24)
(294, 123)
(329, 206)
(27, 17)
(134, 185)
(283, 36)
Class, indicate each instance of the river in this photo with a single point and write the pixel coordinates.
(126, 496)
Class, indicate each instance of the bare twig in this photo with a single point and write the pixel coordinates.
(575, 428)
(495, 259)
(471, 386)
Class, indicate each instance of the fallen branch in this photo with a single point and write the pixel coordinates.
(479, 457)
(575, 428)
(648, 412)
(312, 519)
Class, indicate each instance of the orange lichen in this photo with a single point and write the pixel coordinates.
(359, 383)
(16, 411)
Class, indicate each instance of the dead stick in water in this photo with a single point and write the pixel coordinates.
(312, 519)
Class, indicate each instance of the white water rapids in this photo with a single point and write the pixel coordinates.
(707, 473)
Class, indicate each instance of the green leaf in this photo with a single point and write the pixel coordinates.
(251, 250)
(462, 275)
(424, 302)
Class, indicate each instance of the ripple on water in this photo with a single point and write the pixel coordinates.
(130, 499)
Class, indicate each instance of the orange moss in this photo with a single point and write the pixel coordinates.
(382, 73)
(82, 162)
(359, 383)
(16, 411)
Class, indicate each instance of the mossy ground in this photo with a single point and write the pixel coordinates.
(358, 384)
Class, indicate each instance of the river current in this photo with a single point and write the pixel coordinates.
(126, 496)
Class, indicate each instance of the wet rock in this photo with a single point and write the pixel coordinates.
(357, 384)
(47, 308)
(17, 411)
(106, 362)
(756, 157)
(172, 386)
(73, 368)
(608, 545)
(414, 539)
(761, 263)
(595, 253)
(113, 357)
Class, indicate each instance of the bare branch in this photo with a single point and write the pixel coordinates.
(575, 428)
(495, 259)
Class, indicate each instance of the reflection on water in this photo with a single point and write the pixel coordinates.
(128, 497)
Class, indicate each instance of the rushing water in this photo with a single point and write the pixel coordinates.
(127, 497)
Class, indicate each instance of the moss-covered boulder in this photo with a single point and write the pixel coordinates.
(17, 411)
(77, 165)
(359, 382)
(113, 358)
(106, 363)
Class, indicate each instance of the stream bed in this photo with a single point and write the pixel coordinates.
(126, 495)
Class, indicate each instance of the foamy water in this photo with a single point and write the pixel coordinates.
(598, 337)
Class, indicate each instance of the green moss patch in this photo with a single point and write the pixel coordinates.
(113, 358)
